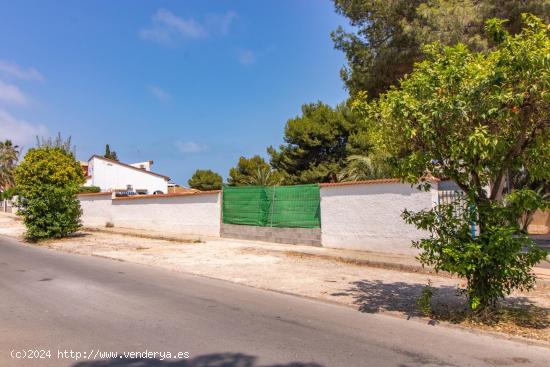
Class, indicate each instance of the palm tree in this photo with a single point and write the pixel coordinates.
(361, 167)
(9, 154)
(264, 176)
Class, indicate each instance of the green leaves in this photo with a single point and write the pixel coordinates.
(253, 171)
(318, 143)
(48, 180)
(480, 119)
(495, 29)
(205, 180)
(476, 114)
(494, 262)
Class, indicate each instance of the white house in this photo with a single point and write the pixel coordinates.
(110, 175)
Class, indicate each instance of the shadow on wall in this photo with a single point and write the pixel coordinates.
(207, 360)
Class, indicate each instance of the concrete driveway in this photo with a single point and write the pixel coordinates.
(67, 303)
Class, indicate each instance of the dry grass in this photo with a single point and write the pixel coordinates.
(527, 320)
(514, 316)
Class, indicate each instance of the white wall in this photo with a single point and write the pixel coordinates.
(197, 214)
(110, 176)
(368, 216)
(358, 216)
(96, 209)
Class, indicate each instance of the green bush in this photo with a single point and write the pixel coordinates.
(7, 194)
(424, 302)
(47, 182)
(494, 262)
(89, 189)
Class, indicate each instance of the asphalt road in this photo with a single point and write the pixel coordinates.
(58, 302)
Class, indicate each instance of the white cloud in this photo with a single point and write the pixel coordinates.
(12, 69)
(19, 131)
(11, 94)
(246, 57)
(160, 93)
(167, 27)
(221, 22)
(189, 146)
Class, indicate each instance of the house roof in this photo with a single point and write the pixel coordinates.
(129, 166)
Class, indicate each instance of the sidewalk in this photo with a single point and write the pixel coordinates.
(367, 258)
(406, 263)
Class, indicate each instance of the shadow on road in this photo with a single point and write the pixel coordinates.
(376, 296)
(207, 360)
(447, 304)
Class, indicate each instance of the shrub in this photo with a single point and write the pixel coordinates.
(424, 302)
(88, 189)
(494, 262)
(8, 194)
(47, 182)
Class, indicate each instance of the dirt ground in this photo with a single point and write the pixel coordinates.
(284, 268)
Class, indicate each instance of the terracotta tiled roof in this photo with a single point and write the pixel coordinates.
(129, 166)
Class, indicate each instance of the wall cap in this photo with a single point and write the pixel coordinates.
(374, 182)
(170, 195)
(94, 193)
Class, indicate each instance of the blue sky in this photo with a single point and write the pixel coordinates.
(188, 84)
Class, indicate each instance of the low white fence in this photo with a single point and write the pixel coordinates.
(197, 214)
(359, 215)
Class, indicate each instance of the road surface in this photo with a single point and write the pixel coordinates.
(61, 307)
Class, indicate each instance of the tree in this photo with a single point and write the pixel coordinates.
(474, 118)
(110, 154)
(360, 168)
(58, 142)
(47, 182)
(264, 176)
(205, 180)
(390, 34)
(9, 154)
(317, 144)
(380, 52)
(253, 171)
